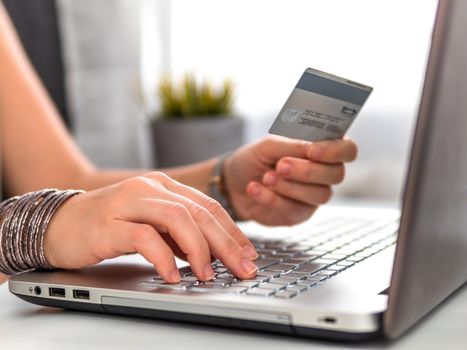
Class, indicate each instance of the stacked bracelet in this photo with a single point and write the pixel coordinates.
(23, 223)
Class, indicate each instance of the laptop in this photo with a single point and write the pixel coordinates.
(347, 273)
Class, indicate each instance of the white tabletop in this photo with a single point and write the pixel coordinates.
(26, 326)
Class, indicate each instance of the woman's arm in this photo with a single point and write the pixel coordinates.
(275, 181)
(35, 141)
(36, 149)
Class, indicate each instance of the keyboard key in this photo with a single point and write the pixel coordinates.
(280, 267)
(220, 281)
(263, 263)
(328, 247)
(316, 278)
(246, 283)
(328, 273)
(355, 258)
(296, 238)
(293, 250)
(313, 242)
(290, 264)
(298, 288)
(370, 251)
(333, 256)
(285, 281)
(315, 252)
(259, 279)
(307, 257)
(310, 268)
(215, 288)
(346, 250)
(293, 276)
(271, 286)
(285, 294)
(295, 261)
(307, 283)
(268, 273)
(260, 292)
(337, 268)
(281, 256)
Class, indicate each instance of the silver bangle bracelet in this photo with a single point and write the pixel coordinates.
(23, 223)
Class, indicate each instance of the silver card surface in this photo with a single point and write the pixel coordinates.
(321, 107)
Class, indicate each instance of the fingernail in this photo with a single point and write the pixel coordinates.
(315, 152)
(208, 272)
(269, 179)
(250, 251)
(284, 168)
(255, 190)
(248, 266)
(175, 276)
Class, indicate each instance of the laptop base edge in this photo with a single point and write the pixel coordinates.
(278, 329)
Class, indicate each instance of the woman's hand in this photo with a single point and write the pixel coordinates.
(154, 216)
(281, 181)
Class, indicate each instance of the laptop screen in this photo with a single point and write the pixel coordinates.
(431, 257)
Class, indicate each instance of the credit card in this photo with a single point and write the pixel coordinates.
(322, 106)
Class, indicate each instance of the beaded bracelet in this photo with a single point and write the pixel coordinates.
(23, 223)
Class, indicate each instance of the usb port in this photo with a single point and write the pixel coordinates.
(57, 292)
(80, 294)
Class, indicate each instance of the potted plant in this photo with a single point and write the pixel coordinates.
(195, 122)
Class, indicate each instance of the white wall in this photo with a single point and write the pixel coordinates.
(101, 40)
(264, 45)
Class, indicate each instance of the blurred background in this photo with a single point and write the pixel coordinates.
(102, 61)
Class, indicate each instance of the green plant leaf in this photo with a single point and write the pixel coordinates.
(191, 99)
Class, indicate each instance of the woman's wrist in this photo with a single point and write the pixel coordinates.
(218, 188)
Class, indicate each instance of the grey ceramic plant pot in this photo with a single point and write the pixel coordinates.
(180, 142)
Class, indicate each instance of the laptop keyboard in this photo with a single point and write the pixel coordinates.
(294, 264)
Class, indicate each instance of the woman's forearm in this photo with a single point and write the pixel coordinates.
(42, 146)
(37, 151)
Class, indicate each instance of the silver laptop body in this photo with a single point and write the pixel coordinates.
(328, 277)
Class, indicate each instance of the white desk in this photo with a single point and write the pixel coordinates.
(26, 326)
